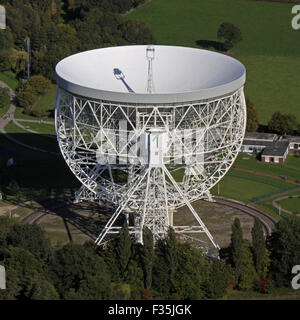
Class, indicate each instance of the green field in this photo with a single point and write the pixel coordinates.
(278, 170)
(270, 47)
(244, 186)
(46, 102)
(290, 204)
(43, 128)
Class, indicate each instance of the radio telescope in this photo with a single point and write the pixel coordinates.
(148, 129)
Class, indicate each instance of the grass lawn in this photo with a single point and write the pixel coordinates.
(290, 204)
(45, 103)
(43, 128)
(240, 188)
(20, 115)
(31, 139)
(279, 170)
(9, 78)
(293, 162)
(269, 48)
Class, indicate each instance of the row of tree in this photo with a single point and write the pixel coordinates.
(168, 269)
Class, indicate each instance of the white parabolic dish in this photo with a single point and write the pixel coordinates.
(180, 74)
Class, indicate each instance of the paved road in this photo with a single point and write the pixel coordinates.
(11, 111)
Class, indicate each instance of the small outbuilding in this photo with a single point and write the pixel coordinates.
(276, 153)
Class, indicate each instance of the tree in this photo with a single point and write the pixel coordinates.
(74, 267)
(31, 238)
(4, 60)
(123, 249)
(252, 118)
(284, 247)
(43, 290)
(247, 277)
(38, 84)
(258, 246)
(4, 98)
(221, 278)
(191, 274)
(147, 256)
(136, 32)
(282, 123)
(165, 266)
(13, 188)
(23, 270)
(241, 258)
(92, 288)
(236, 244)
(26, 99)
(6, 225)
(230, 33)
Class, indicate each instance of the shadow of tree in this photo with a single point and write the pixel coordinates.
(206, 44)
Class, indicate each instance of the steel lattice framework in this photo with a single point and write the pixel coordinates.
(101, 143)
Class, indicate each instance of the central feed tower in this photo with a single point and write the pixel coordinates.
(147, 129)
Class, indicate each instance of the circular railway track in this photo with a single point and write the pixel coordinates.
(267, 221)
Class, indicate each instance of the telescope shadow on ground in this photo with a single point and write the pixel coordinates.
(42, 176)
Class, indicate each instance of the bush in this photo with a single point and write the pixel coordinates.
(265, 285)
(4, 97)
(39, 113)
(38, 84)
(30, 91)
(26, 98)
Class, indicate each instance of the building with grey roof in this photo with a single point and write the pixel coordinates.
(255, 142)
(276, 153)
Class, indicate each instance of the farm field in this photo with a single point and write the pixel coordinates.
(269, 48)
